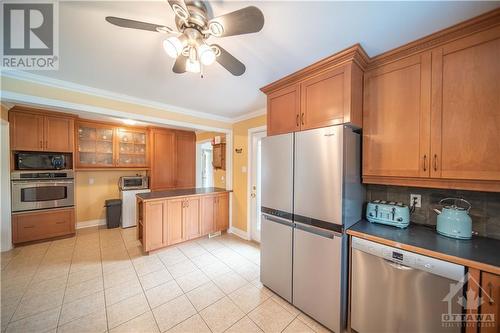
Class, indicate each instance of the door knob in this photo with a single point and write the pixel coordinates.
(253, 195)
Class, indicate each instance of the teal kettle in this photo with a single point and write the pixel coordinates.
(454, 220)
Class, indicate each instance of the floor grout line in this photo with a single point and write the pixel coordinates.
(66, 287)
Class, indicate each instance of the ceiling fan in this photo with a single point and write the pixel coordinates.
(188, 45)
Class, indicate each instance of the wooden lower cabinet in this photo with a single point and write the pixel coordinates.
(490, 293)
(164, 222)
(32, 226)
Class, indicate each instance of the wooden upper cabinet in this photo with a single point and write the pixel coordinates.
(41, 132)
(326, 93)
(26, 130)
(192, 217)
(163, 159)
(186, 156)
(490, 294)
(95, 145)
(283, 110)
(396, 118)
(466, 108)
(59, 134)
(131, 147)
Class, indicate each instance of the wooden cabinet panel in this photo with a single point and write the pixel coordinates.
(466, 108)
(95, 145)
(42, 225)
(186, 159)
(396, 119)
(156, 233)
(163, 160)
(283, 110)
(322, 100)
(490, 285)
(219, 156)
(191, 215)
(26, 131)
(175, 222)
(222, 212)
(59, 134)
(208, 214)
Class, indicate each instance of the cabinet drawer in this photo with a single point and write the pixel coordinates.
(40, 225)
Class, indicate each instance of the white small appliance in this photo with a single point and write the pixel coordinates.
(129, 204)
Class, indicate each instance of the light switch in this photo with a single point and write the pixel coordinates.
(91, 181)
(244, 169)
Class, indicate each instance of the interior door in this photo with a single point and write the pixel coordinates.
(396, 118)
(59, 134)
(318, 174)
(317, 270)
(256, 184)
(23, 124)
(465, 109)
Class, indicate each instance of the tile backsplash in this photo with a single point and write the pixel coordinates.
(485, 211)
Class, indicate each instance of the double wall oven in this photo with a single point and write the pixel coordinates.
(42, 181)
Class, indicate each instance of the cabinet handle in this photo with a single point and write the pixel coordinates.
(425, 162)
(297, 120)
(302, 118)
(41, 144)
(435, 162)
(46, 144)
(490, 293)
(29, 227)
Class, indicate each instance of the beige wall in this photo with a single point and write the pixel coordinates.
(90, 197)
(219, 175)
(240, 185)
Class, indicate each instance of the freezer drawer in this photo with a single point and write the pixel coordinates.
(404, 296)
(276, 255)
(317, 255)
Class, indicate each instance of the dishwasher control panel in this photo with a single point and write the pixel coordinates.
(409, 260)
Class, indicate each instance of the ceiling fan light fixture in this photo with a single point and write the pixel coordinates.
(216, 29)
(206, 54)
(173, 46)
(193, 66)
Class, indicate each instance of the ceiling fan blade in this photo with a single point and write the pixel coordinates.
(180, 65)
(132, 24)
(180, 9)
(243, 21)
(226, 59)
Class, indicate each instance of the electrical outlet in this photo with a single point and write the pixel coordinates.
(417, 199)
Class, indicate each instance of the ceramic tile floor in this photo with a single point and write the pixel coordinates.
(100, 281)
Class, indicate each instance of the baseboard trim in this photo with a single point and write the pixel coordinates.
(90, 223)
(238, 232)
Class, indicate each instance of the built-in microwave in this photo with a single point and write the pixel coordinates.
(133, 183)
(42, 161)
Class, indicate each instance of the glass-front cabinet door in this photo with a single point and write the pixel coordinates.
(95, 146)
(131, 148)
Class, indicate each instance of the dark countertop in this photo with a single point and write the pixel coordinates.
(179, 193)
(476, 252)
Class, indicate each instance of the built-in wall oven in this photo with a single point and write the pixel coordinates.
(32, 190)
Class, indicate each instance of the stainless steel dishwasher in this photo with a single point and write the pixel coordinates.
(394, 290)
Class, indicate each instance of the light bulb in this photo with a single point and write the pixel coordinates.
(206, 54)
(193, 66)
(173, 46)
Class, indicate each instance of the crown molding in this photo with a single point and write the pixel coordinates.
(250, 115)
(79, 88)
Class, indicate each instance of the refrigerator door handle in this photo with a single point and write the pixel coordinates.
(277, 219)
(317, 231)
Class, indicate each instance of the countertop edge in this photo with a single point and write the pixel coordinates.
(184, 195)
(430, 253)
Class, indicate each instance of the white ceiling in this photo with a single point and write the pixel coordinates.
(97, 54)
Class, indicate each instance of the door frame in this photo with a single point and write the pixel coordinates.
(251, 131)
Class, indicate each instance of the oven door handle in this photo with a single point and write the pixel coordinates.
(45, 182)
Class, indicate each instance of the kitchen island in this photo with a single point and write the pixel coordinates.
(170, 217)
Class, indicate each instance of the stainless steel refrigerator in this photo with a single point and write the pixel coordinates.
(311, 193)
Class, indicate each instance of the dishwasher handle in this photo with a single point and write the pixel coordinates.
(397, 265)
(316, 231)
(277, 219)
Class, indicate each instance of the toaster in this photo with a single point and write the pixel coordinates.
(392, 213)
